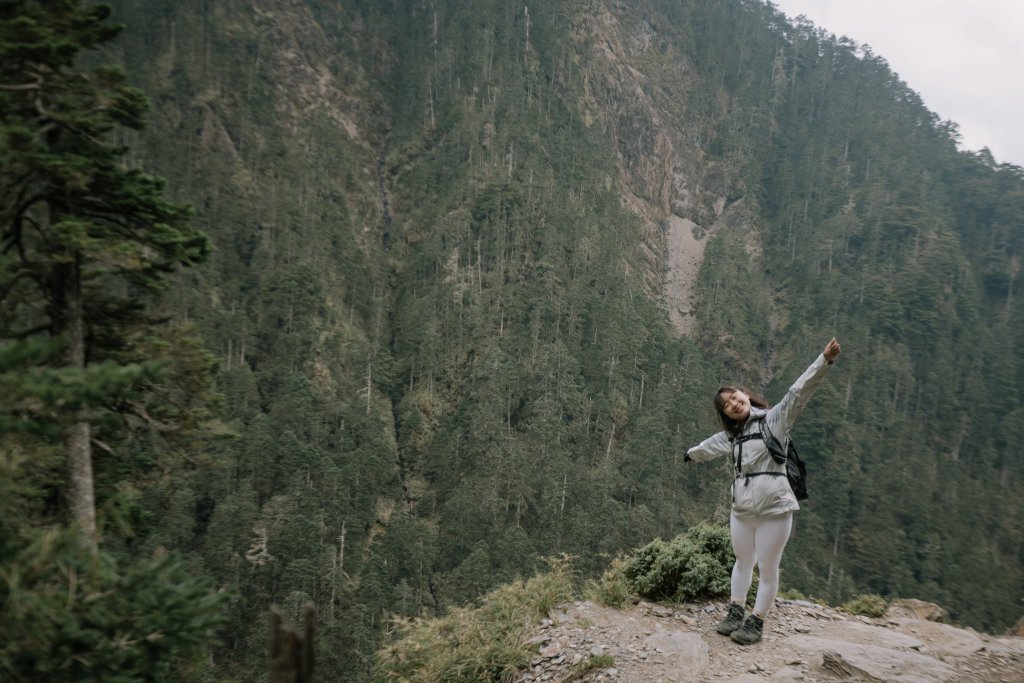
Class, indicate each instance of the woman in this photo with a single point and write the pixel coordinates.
(762, 500)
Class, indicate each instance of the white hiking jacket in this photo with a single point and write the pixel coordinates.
(760, 496)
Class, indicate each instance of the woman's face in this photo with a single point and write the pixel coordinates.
(736, 405)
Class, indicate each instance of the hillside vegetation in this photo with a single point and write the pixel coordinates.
(445, 344)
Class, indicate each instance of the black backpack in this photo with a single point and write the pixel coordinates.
(796, 470)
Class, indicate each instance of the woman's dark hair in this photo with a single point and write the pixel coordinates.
(735, 427)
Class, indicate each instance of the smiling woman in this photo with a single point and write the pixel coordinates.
(734, 403)
(955, 54)
(762, 501)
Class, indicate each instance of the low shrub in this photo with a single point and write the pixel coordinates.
(694, 566)
(867, 605)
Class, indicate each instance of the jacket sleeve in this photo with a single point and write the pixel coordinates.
(711, 447)
(784, 414)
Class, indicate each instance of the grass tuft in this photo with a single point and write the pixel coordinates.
(587, 665)
(480, 643)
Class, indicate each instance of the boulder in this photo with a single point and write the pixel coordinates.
(909, 608)
(851, 660)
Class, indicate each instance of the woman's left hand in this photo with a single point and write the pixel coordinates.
(832, 350)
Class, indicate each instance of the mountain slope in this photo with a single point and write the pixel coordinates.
(480, 269)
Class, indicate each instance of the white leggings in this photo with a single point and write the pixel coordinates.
(760, 540)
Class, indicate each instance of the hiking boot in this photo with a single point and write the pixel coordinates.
(750, 632)
(733, 620)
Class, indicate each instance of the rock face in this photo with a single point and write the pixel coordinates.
(803, 641)
(662, 173)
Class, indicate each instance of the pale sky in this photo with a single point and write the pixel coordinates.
(965, 58)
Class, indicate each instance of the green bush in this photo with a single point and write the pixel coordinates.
(696, 565)
(868, 605)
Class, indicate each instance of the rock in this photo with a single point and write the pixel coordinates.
(915, 609)
(551, 650)
(786, 675)
(659, 611)
(834, 663)
(863, 634)
(943, 639)
(1013, 647)
(683, 651)
(874, 662)
(557, 616)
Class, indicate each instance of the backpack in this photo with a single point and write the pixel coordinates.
(796, 470)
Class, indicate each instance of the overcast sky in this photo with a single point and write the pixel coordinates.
(965, 58)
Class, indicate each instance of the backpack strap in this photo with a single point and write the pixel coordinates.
(740, 440)
(763, 433)
(775, 447)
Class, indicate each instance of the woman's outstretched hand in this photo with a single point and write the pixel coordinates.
(832, 350)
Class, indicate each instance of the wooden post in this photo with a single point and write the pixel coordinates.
(291, 652)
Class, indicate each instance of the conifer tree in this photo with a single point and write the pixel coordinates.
(85, 243)
(84, 238)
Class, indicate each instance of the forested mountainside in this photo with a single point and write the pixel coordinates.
(478, 268)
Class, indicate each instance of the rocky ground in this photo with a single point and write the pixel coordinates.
(803, 641)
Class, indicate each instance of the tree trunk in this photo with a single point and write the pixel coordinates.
(81, 498)
(291, 652)
(77, 442)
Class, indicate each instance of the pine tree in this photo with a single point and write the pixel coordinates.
(85, 243)
(85, 239)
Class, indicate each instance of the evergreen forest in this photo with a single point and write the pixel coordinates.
(374, 305)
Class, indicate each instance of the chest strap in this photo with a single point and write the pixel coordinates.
(738, 457)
